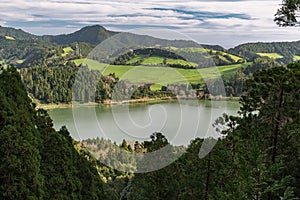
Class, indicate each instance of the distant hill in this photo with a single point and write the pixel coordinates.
(17, 46)
(285, 52)
(97, 34)
(16, 34)
(90, 34)
(130, 39)
(24, 49)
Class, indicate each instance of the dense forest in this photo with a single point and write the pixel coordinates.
(38, 162)
(67, 83)
(236, 84)
(247, 162)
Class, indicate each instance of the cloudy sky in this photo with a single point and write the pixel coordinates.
(224, 22)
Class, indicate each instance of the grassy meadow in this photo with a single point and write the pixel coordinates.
(161, 75)
(296, 58)
(66, 51)
(271, 55)
(9, 38)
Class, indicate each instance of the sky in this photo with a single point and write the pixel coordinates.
(223, 22)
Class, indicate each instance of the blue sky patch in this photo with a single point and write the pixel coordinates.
(201, 15)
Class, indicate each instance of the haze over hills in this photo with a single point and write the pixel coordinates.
(97, 34)
(18, 46)
(90, 34)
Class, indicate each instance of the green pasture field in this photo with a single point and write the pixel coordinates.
(160, 76)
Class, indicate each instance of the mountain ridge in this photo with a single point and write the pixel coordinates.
(15, 40)
(94, 35)
(11, 31)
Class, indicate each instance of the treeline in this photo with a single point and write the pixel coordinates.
(145, 53)
(38, 162)
(33, 52)
(209, 58)
(236, 84)
(15, 50)
(233, 86)
(123, 59)
(197, 59)
(287, 49)
(256, 157)
(67, 83)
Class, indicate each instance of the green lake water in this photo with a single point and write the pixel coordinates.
(179, 121)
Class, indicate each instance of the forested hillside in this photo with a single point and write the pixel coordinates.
(285, 52)
(38, 162)
(16, 34)
(17, 46)
(236, 84)
(247, 162)
(49, 65)
(184, 58)
(261, 163)
(90, 34)
(85, 39)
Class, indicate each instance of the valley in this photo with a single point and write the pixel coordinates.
(110, 109)
(49, 67)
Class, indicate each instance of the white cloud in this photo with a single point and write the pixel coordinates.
(251, 20)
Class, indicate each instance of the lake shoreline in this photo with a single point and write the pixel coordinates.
(180, 121)
(131, 101)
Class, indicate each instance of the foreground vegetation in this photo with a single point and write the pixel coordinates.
(38, 162)
(257, 157)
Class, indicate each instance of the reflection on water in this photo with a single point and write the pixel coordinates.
(179, 121)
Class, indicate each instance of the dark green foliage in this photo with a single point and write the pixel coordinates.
(64, 84)
(14, 50)
(260, 64)
(257, 159)
(236, 84)
(36, 161)
(275, 94)
(269, 152)
(20, 172)
(287, 14)
(69, 172)
(160, 184)
(67, 83)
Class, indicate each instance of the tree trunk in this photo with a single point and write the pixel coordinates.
(207, 177)
(276, 128)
